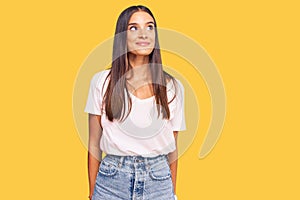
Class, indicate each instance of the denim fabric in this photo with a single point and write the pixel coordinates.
(134, 178)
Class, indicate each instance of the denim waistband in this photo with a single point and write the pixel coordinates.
(131, 163)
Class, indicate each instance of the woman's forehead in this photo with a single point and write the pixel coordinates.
(140, 17)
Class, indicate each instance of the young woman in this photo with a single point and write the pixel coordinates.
(135, 112)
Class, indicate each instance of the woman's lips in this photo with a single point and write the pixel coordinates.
(143, 43)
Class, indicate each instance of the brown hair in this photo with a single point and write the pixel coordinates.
(114, 97)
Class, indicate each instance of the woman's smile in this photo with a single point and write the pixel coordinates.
(143, 44)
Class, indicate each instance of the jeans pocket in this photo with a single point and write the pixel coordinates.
(160, 172)
(107, 169)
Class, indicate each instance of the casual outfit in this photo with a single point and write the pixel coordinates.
(136, 165)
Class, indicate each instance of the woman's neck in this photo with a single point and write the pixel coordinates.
(137, 60)
(140, 65)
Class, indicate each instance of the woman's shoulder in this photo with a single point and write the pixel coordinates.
(174, 84)
(100, 76)
(171, 81)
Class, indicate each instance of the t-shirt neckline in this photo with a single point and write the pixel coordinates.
(139, 99)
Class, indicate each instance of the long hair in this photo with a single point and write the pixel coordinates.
(114, 97)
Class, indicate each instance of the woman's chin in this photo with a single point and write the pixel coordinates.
(142, 52)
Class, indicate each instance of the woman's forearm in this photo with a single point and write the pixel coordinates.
(172, 157)
(94, 160)
(173, 167)
(94, 152)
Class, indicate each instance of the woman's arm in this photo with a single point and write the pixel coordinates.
(173, 162)
(94, 152)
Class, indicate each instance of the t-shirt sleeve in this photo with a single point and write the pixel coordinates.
(95, 95)
(178, 120)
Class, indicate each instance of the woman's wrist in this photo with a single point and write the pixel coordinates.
(90, 197)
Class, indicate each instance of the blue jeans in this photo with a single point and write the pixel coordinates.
(134, 178)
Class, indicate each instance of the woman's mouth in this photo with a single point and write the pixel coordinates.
(143, 44)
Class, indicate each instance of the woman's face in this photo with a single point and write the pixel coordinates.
(140, 34)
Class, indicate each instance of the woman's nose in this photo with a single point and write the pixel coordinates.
(143, 33)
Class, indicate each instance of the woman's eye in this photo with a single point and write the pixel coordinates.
(132, 28)
(150, 27)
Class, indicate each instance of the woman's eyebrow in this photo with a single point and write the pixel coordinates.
(134, 23)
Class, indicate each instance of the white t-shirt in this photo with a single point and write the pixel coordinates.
(142, 132)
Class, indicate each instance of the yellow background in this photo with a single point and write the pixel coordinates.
(255, 45)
